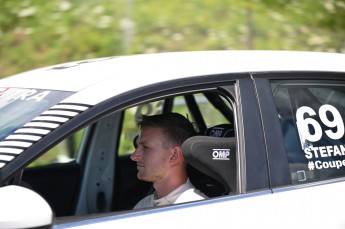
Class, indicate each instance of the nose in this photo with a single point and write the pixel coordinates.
(136, 155)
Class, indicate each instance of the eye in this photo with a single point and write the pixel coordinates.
(142, 147)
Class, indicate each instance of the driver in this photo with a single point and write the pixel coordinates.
(159, 159)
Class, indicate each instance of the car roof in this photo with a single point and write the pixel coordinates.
(105, 77)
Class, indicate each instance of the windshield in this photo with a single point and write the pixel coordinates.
(19, 106)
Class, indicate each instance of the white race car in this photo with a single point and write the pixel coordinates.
(270, 152)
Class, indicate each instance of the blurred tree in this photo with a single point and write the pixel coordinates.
(320, 24)
(36, 33)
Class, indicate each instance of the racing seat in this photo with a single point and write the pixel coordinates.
(214, 158)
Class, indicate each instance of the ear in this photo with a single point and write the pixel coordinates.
(176, 156)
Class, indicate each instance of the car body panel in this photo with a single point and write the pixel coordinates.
(295, 207)
(167, 66)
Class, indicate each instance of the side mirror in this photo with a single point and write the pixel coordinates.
(23, 208)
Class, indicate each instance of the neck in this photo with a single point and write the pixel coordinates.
(166, 186)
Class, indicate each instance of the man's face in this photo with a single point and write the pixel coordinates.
(151, 156)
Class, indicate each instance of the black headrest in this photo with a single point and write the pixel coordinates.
(222, 130)
(214, 156)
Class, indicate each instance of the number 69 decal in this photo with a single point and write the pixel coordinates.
(303, 123)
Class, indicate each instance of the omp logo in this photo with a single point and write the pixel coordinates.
(217, 132)
(221, 154)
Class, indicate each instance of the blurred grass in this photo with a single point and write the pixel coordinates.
(37, 33)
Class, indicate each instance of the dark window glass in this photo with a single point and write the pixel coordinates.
(312, 115)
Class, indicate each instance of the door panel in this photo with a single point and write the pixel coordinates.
(57, 183)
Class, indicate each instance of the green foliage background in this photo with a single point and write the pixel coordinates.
(36, 33)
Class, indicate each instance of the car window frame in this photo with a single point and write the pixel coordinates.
(276, 152)
(241, 90)
(227, 90)
(252, 176)
(104, 108)
(253, 163)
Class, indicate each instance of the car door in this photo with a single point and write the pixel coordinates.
(304, 144)
(100, 184)
(251, 164)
